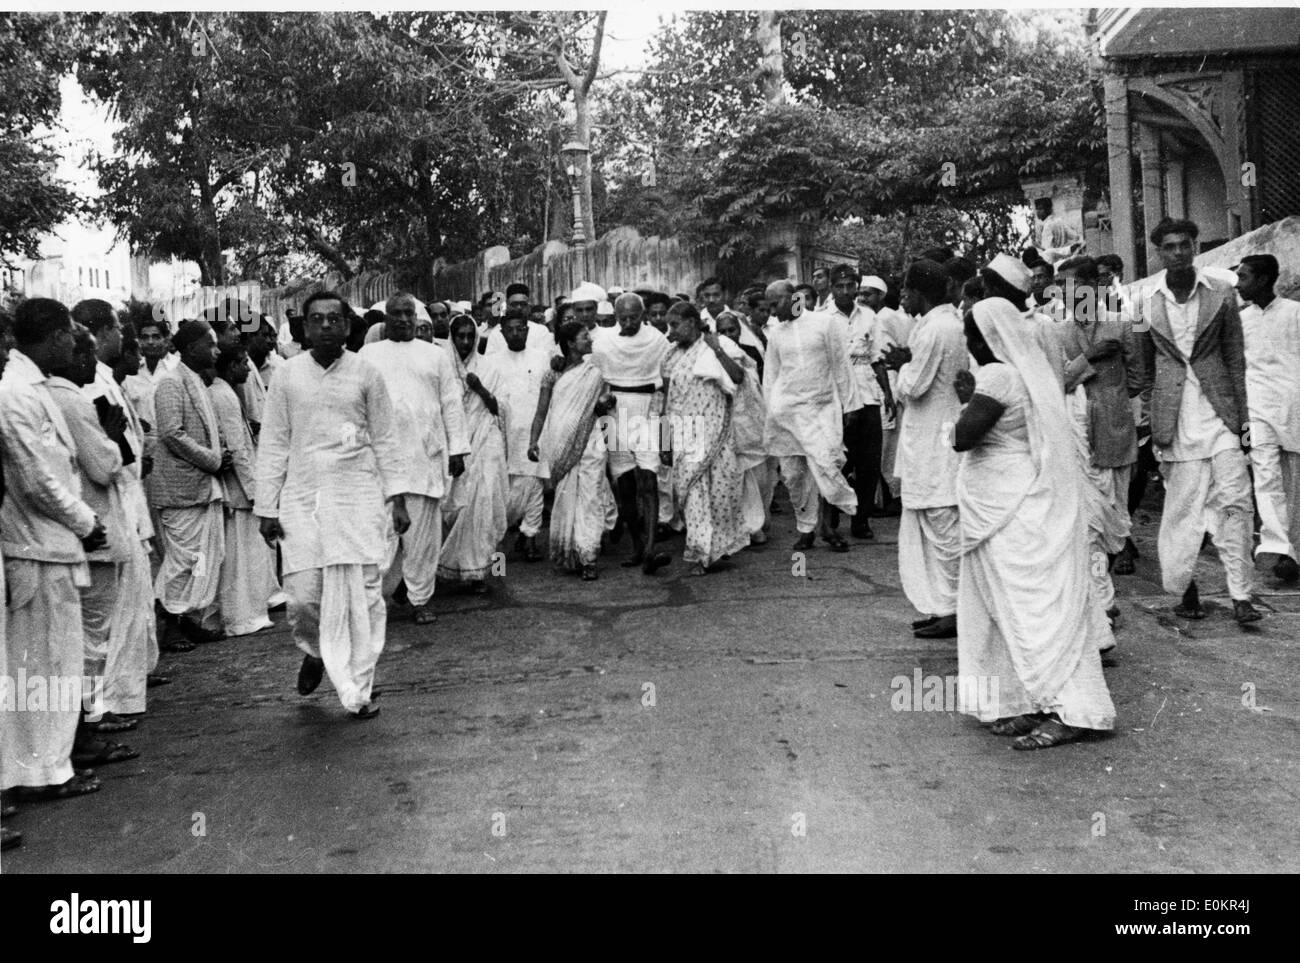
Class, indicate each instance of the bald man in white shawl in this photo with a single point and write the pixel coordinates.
(1027, 654)
(426, 397)
(808, 385)
(329, 459)
(630, 358)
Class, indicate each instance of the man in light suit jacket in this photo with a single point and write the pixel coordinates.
(185, 486)
(1191, 349)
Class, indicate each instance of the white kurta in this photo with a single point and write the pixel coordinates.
(1272, 337)
(926, 463)
(426, 399)
(44, 636)
(521, 384)
(808, 388)
(249, 564)
(328, 459)
(329, 456)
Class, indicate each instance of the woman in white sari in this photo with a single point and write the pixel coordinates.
(474, 509)
(1030, 630)
(748, 414)
(567, 436)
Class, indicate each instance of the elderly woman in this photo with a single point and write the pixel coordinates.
(474, 509)
(1028, 622)
(701, 380)
(567, 436)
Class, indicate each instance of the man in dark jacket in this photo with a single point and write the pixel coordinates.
(1191, 350)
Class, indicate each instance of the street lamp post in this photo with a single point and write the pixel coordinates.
(574, 153)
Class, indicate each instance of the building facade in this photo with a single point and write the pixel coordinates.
(1203, 120)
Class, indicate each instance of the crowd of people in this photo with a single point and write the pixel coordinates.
(170, 485)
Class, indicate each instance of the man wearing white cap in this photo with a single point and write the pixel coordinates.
(586, 300)
(430, 418)
(1010, 278)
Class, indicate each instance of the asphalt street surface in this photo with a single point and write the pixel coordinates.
(739, 722)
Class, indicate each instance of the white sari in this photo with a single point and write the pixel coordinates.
(1027, 619)
(474, 508)
(574, 446)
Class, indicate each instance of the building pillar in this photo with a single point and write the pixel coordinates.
(1153, 189)
(1120, 152)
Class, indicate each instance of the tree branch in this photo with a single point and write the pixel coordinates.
(595, 53)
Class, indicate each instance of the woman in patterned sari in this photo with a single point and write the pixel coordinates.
(701, 381)
(567, 436)
(474, 509)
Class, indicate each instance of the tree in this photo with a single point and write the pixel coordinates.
(35, 50)
(890, 114)
(374, 142)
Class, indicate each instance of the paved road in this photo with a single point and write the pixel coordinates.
(737, 722)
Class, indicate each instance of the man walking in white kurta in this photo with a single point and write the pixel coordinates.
(1270, 326)
(809, 388)
(522, 366)
(929, 531)
(330, 465)
(426, 397)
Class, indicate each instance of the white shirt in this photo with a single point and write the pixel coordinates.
(808, 387)
(1272, 337)
(521, 384)
(862, 329)
(427, 405)
(1201, 432)
(328, 457)
(926, 462)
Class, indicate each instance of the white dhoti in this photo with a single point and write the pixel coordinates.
(1113, 483)
(757, 486)
(134, 652)
(889, 452)
(1277, 498)
(668, 514)
(929, 558)
(808, 480)
(413, 557)
(45, 647)
(195, 545)
(98, 602)
(1216, 488)
(246, 571)
(524, 504)
(337, 614)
